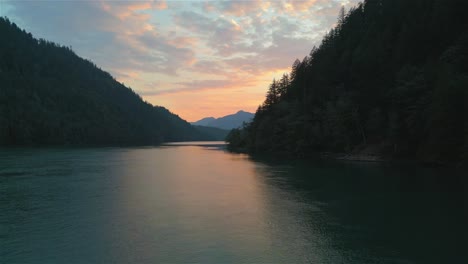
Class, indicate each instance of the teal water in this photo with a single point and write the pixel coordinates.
(196, 203)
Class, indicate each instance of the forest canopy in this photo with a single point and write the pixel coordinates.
(391, 79)
(49, 95)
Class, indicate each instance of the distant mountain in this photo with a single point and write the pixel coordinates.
(49, 95)
(205, 121)
(226, 122)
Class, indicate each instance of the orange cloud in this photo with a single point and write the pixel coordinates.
(126, 76)
(160, 5)
(182, 42)
(236, 26)
(243, 8)
(126, 9)
(298, 6)
(139, 6)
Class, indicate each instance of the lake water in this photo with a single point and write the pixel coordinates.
(196, 203)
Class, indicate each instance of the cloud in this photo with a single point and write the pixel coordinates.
(237, 8)
(216, 67)
(220, 34)
(201, 85)
(177, 49)
(124, 9)
(116, 34)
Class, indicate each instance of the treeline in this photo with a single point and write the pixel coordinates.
(49, 95)
(390, 79)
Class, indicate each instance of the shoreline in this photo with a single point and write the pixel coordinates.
(360, 158)
(353, 157)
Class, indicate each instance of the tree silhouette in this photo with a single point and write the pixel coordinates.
(391, 76)
(49, 95)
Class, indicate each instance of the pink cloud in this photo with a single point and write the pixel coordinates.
(243, 8)
(232, 48)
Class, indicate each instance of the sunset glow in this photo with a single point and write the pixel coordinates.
(196, 58)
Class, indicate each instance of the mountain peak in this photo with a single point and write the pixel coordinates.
(226, 122)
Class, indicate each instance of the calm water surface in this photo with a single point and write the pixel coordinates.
(196, 203)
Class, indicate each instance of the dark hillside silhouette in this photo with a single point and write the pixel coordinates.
(49, 95)
(390, 79)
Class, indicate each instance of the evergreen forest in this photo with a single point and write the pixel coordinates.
(390, 79)
(50, 96)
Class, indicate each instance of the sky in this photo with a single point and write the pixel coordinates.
(196, 58)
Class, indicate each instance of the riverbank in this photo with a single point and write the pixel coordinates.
(359, 154)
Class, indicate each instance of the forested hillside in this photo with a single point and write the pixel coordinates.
(390, 79)
(49, 95)
(215, 133)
